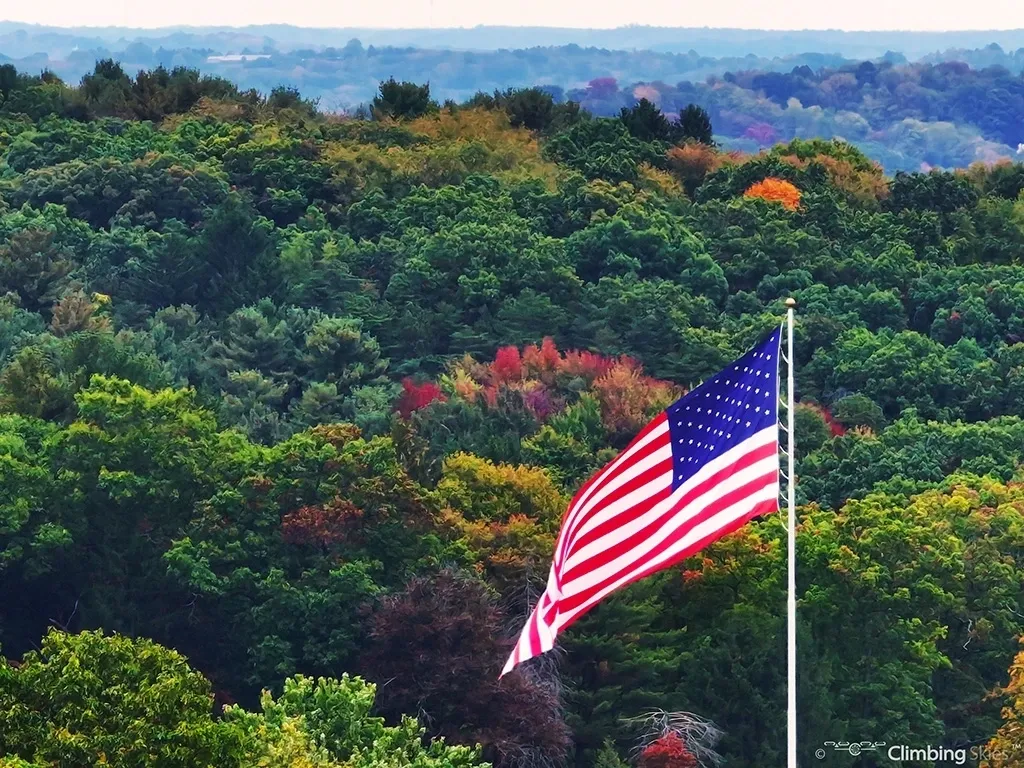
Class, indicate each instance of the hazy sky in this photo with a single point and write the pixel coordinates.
(759, 14)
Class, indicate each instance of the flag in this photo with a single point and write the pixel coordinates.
(705, 466)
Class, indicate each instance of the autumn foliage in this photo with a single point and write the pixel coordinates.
(1006, 748)
(693, 161)
(547, 380)
(415, 396)
(325, 524)
(776, 191)
(826, 415)
(668, 751)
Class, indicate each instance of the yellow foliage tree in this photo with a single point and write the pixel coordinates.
(482, 490)
(507, 514)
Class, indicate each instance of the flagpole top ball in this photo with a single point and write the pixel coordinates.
(791, 302)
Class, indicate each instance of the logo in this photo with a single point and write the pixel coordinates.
(850, 747)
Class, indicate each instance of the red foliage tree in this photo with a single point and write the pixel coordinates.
(834, 426)
(440, 645)
(508, 365)
(587, 365)
(415, 396)
(544, 362)
(668, 751)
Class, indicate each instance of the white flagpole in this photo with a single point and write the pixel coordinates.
(791, 533)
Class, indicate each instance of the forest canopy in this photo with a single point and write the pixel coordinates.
(291, 405)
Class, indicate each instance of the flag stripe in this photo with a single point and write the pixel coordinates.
(652, 467)
(620, 470)
(717, 468)
(579, 589)
(762, 507)
(619, 524)
(701, 469)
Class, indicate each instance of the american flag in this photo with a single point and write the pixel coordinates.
(705, 466)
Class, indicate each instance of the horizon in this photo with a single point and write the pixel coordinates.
(415, 28)
(433, 15)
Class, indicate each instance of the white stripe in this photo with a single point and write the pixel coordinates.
(758, 469)
(740, 478)
(721, 520)
(759, 439)
(656, 457)
(585, 504)
(547, 633)
(632, 498)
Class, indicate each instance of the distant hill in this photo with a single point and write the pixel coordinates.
(705, 41)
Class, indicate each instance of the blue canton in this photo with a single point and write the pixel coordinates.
(724, 411)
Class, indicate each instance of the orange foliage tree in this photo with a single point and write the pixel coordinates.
(776, 191)
(692, 162)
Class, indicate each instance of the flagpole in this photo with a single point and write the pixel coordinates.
(791, 534)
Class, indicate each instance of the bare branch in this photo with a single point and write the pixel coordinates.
(699, 735)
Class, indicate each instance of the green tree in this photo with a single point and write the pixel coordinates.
(403, 100)
(89, 699)
(695, 125)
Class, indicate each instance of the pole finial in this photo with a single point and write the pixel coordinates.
(791, 302)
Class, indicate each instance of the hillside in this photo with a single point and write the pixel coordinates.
(296, 395)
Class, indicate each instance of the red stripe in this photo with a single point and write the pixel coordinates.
(535, 632)
(747, 460)
(567, 604)
(610, 471)
(762, 508)
(663, 469)
(594, 483)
